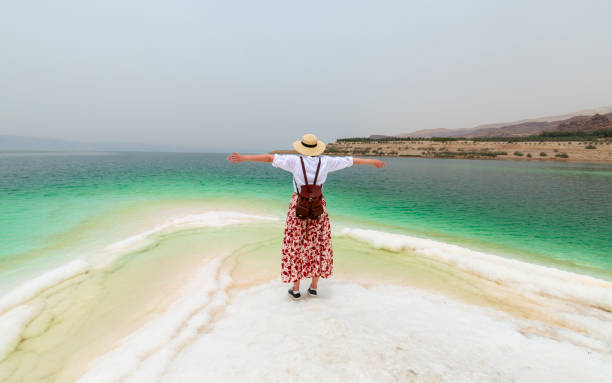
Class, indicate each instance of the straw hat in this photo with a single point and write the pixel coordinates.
(309, 146)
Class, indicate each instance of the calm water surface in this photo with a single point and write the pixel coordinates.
(558, 213)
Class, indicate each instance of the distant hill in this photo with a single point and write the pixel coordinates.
(580, 120)
(19, 143)
(585, 112)
(586, 124)
(428, 133)
(36, 143)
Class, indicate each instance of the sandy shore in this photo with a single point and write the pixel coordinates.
(562, 151)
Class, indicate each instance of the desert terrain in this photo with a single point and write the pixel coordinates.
(567, 151)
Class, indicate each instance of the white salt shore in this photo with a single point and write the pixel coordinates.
(383, 333)
(215, 329)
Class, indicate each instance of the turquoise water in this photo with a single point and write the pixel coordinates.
(557, 213)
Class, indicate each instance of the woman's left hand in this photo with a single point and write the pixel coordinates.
(379, 164)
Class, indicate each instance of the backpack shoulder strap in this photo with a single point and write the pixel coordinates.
(304, 170)
(317, 173)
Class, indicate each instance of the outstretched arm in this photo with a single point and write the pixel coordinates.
(235, 158)
(369, 161)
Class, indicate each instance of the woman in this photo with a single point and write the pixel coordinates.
(307, 249)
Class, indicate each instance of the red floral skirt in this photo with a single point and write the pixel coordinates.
(307, 249)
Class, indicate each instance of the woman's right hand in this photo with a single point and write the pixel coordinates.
(235, 158)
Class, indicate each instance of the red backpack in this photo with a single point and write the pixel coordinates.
(309, 203)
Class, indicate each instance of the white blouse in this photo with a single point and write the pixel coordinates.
(291, 163)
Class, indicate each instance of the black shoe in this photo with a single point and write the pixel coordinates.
(312, 292)
(293, 294)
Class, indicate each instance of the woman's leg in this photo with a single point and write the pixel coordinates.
(296, 286)
(314, 282)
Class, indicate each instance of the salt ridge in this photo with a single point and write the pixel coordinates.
(14, 312)
(520, 275)
(348, 333)
(145, 353)
(207, 219)
(581, 301)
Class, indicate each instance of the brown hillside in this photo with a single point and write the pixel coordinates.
(586, 120)
(585, 124)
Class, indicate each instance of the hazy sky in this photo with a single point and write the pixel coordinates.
(258, 74)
